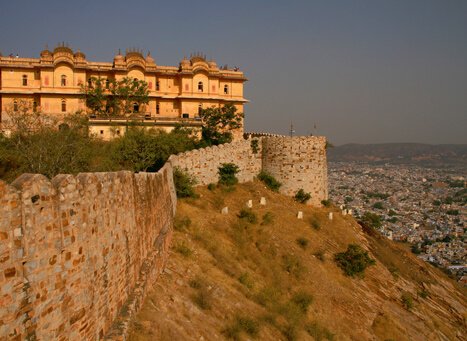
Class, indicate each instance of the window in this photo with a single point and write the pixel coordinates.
(34, 106)
(107, 84)
(63, 80)
(102, 132)
(15, 106)
(200, 109)
(226, 89)
(135, 107)
(158, 86)
(157, 109)
(200, 86)
(89, 82)
(63, 105)
(25, 80)
(185, 115)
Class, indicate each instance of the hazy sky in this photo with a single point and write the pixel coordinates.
(362, 71)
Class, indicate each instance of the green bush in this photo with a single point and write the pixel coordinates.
(301, 196)
(242, 323)
(319, 332)
(320, 255)
(227, 174)
(372, 220)
(211, 187)
(326, 203)
(254, 145)
(269, 181)
(354, 261)
(315, 224)
(183, 249)
(407, 300)
(268, 218)
(302, 242)
(184, 183)
(378, 205)
(302, 300)
(182, 223)
(248, 215)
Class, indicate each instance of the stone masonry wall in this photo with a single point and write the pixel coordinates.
(298, 163)
(77, 251)
(203, 163)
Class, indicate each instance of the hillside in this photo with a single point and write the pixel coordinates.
(275, 279)
(401, 153)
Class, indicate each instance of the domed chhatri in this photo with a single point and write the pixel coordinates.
(176, 94)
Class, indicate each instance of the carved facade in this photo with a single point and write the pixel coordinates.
(52, 84)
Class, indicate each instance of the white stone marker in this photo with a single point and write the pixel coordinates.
(344, 212)
(262, 201)
(341, 207)
(249, 204)
(330, 215)
(349, 212)
(300, 215)
(225, 210)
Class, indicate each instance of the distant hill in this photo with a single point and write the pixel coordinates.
(417, 153)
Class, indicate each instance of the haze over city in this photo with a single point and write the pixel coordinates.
(358, 71)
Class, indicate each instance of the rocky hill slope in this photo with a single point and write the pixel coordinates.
(276, 279)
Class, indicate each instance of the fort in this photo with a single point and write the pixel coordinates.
(78, 252)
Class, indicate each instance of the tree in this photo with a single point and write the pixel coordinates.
(218, 123)
(110, 97)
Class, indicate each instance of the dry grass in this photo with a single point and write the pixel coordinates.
(268, 277)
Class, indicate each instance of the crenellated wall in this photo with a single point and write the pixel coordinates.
(75, 250)
(297, 162)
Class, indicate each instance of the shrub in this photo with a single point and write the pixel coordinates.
(301, 196)
(203, 298)
(292, 265)
(254, 145)
(319, 332)
(269, 181)
(407, 300)
(326, 203)
(372, 220)
(242, 323)
(268, 218)
(183, 249)
(315, 224)
(182, 223)
(246, 280)
(211, 187)
(378, 205)
(452, 212)
(184, 183)
(423, 293)
(302, 300)
(302, 242)
(320, 255)
(354, 261)
(248, 215)
(227, 172)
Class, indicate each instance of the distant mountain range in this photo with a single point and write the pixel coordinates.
(413, 153)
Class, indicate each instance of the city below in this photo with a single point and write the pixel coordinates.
(422, 206)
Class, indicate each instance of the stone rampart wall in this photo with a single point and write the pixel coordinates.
(76, 252)
(203, 163)
(298, 163)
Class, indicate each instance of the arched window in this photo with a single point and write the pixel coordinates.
(63, 80)
(200, 86)
(107, 84)
(158, 86)
(157, 109)
(89, 82)
(226, 89)
(25, 80)
(200, 108)
(63, 105)
(34, 106)
(135, 107)
(15, 106)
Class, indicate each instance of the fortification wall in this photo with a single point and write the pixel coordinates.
(203, 163)
(298, 163)
(78, 250)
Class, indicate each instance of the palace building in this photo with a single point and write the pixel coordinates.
(53, 82)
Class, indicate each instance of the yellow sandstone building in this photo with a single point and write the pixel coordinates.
(52, 85)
